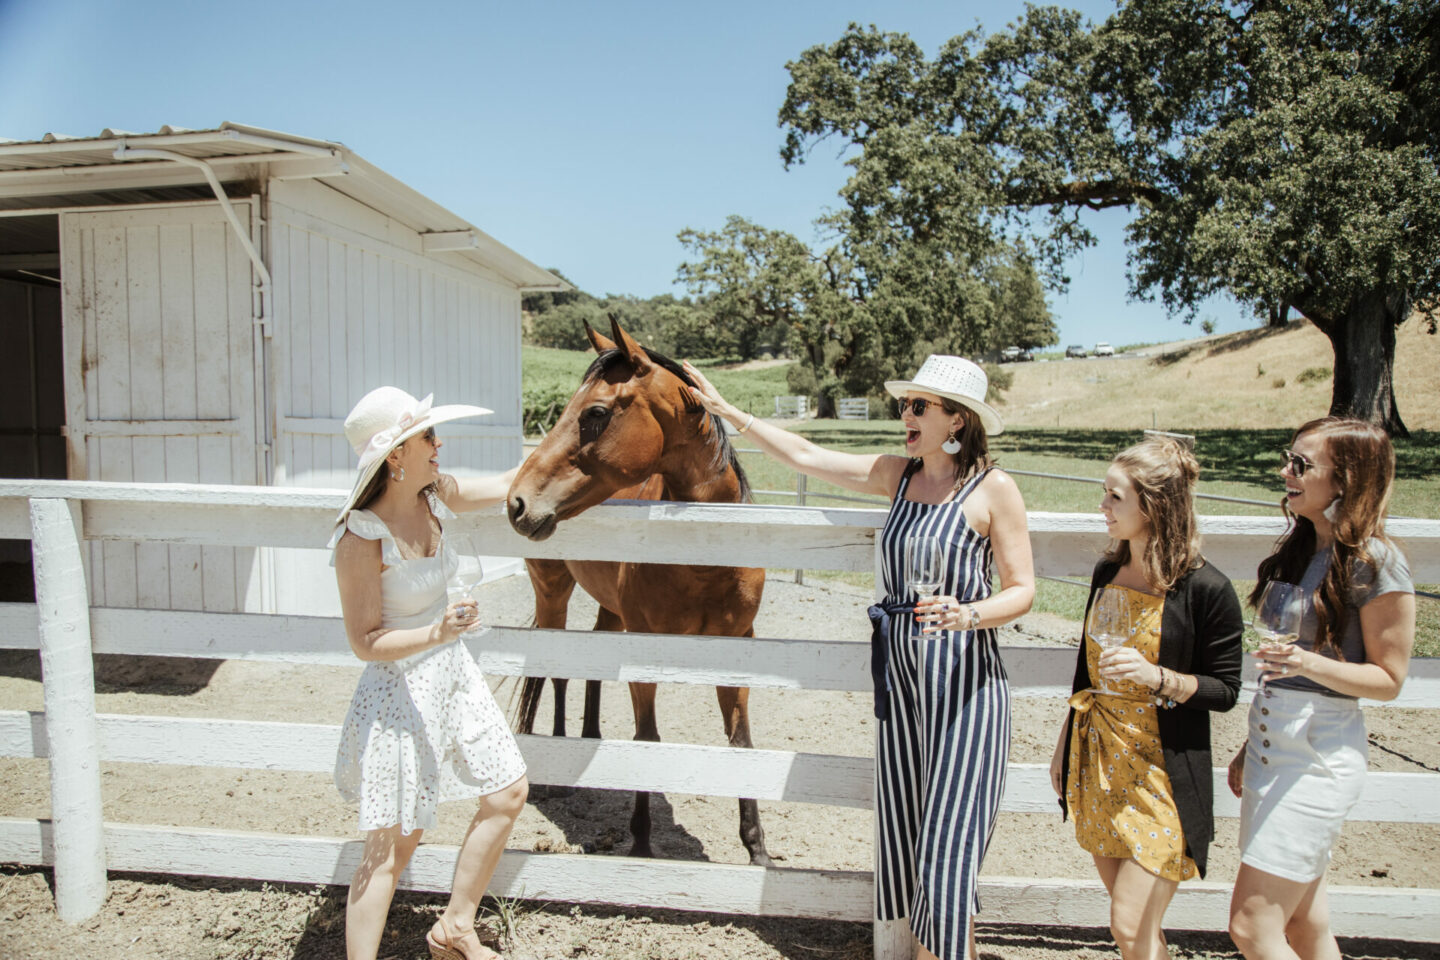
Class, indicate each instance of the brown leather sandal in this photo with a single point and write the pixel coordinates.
(465, 946)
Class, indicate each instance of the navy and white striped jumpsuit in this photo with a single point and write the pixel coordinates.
(940, 764)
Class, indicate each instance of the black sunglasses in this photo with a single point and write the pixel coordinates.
(918, 404)
(1298, 464)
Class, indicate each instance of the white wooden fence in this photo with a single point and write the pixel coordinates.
(792, 408)
(59, 516)
(852, 408)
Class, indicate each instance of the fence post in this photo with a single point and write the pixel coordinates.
(63, 603)
(800, 502)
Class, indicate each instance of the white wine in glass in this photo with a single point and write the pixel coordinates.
(469, 573)
(924, 568)
(1277, 619)
(1109, 625)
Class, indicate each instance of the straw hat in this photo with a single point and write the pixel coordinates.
(953, 378)
(385, 418)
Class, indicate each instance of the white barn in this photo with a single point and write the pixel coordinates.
(206, 306)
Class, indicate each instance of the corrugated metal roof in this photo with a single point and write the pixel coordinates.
(60, 170)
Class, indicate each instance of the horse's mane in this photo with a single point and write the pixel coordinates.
(724, 453)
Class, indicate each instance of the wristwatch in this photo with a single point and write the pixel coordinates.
(974, 623)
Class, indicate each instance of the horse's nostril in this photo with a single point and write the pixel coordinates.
(517, 508)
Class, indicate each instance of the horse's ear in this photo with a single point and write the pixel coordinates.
(597, 339)
(639, 359)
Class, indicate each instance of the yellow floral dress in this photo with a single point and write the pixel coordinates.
(1117, 789)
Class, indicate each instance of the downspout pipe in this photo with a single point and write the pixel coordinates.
(124, 152)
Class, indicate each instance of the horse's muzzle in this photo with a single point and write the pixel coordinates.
(536, 525)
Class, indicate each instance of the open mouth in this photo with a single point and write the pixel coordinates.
(911, 436)
(1292, 492)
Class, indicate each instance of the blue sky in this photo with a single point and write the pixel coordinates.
(583, 135)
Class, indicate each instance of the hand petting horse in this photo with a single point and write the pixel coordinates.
(635, 431)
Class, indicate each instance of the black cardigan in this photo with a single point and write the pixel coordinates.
(1199, 634)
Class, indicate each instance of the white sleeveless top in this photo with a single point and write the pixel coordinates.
(423, 729)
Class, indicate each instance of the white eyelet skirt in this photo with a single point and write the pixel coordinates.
(1304, 769)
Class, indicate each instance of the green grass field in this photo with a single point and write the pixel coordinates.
(1233, 463)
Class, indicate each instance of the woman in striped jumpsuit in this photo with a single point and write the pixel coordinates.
(941, 691)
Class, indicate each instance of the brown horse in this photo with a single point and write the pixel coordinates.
(634, 431)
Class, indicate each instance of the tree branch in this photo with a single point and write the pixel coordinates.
(1095, 194)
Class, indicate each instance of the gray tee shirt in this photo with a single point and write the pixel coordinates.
(1390, 575)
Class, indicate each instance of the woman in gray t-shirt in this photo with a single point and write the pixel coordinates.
(1303, 766)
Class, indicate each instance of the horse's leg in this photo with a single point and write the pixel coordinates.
(552, 582)
(590, 727)
(642, 698)
(734, 708)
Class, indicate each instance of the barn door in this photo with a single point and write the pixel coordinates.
(160, 384)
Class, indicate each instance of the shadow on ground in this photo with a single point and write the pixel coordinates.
(123, 673)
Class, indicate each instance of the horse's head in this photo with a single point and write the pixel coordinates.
(633, 416)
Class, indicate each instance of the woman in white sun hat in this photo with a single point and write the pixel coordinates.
(422, 727)
(940, 688)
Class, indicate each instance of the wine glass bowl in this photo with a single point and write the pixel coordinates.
(1277, 619)
(924, 567)
(469, 571)
(1109, 626)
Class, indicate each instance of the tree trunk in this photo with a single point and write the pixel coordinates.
(825, 407)
(1364, 344)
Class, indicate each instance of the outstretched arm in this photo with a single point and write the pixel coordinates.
(873, 473)
(473, 493)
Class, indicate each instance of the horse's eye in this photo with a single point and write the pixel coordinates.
(596, 413)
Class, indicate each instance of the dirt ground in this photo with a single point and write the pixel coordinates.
(148, 916)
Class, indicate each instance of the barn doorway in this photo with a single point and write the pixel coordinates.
(32, 374)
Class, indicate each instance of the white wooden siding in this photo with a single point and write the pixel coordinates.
(357, 305)
(160, 361)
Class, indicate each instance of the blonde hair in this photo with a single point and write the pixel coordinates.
(1163, 472)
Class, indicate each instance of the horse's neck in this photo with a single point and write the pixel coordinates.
(690, 475)
(712, 488)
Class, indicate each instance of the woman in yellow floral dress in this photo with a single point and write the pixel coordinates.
(1133, 765)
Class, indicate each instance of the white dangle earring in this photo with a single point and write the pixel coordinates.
(951, 445)
(401, 475)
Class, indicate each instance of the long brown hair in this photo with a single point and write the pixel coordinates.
(974, 454)
(1364, 465)
(1163, 472)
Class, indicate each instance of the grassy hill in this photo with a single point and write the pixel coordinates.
(1252, 379)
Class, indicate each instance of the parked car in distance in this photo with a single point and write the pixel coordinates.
(1075, 350)
(1104, 350)
(1012, 354)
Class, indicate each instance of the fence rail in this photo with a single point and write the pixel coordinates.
(60, 516)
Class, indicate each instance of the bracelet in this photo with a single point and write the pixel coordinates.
(747, 425)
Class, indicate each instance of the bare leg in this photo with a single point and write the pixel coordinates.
(479, 855)
(735, 710)
(642, 699)
(386, 853)
(1138, 899)
(1266, 909)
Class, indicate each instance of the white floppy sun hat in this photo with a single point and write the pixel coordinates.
(385, 418)
(953, 378)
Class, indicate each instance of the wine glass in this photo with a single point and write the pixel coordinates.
(924, 563)
(1109, 625)
(469, 571)
(1277, 619)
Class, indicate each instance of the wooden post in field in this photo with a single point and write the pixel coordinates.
(63, 605)
(800, 502)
